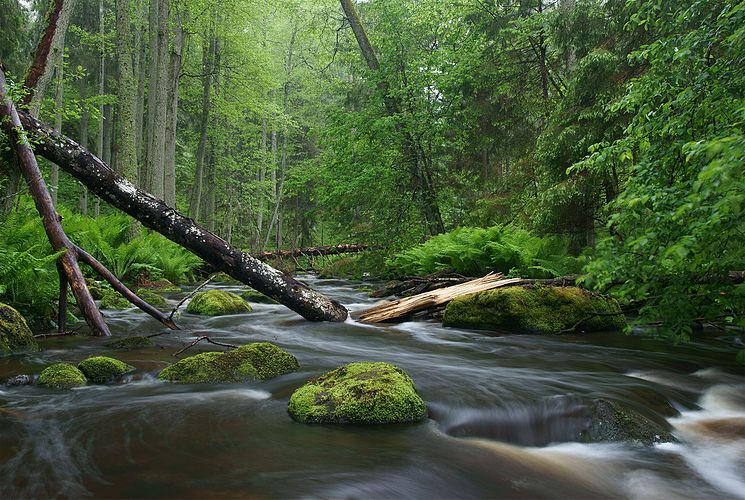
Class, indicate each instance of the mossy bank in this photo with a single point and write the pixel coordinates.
(15, 335)
(535, 309)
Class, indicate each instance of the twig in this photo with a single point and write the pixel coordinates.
(193, 292)
(593, 315)
(61, 334)
(208, 340)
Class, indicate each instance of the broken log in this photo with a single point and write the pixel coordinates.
(313, 251)
(428, 300)
(155, 214)
(68, 263)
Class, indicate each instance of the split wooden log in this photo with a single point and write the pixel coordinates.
(314, 251)
(155, 214)
(11, 124)
(435, 298)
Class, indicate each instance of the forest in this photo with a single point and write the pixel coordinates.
(587, 156)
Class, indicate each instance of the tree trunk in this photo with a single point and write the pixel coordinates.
(208, 49)
(261, 196)
(101, 91)
(155, 214)
(156, 156)
(152, 91)
(70, 270)
(127, 103)
(54, 169)
(140, 65)
(83, 191)
(169, 179)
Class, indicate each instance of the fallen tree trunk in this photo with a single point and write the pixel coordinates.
(313, 251)
(428, 300)
(155, 214)
(68, 263)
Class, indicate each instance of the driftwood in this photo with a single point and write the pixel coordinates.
(155, 214)
(428, 300)
(313, 251)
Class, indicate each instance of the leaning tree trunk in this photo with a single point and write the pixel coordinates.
(155, 214)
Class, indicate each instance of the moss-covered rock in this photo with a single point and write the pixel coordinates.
(114, 300)
(358, 393)
(217, 303)
(15, 335)
(61, 376)
(252, 295)
(97, 288)
(161, 285)
(535, 309)
(103, 369)
(224, 278)
(260, 360)
(611, 422)
(129, 343)
(151, 297)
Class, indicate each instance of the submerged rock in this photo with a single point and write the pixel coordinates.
(103, 369)
(611, 422)
(252, 295)
(15, 335)
(358, 393)
(217, 303)
(19, 380)
(114, 300)
(129, 343)
(257, 361)
(535, 309)
(61, 376)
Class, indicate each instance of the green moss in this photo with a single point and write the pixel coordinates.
(216, 303)
(97, 288)
(61, 376)
(15, 335)
(252, 295)
(356, 267)
(102, 369)
(129, 343)
(114, 300)
(162, 285)
(151, 297)
(260, 360)
(535, 309)
(358, 393)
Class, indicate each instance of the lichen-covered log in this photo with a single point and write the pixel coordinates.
(156, 215)
(314, 251)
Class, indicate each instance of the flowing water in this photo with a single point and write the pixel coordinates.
(503, 410)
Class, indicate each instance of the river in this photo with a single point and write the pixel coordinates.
(499, 427)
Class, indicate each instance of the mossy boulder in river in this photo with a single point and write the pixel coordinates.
(535, 309)
(358, 393)
(260, 360)
(129, 343)
(252, 295)
(114, 300)
(217, 303)
(61, 376)
(151, 297)
(102, 369)
(611, 422)
(15, 335)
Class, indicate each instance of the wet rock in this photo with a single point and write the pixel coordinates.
(19, 380)
(252, 295)
(15, 335)
(61, 376)
(257, 361)
(535, 309)
(129, 343)
(224, 278)
(358, 393)
(217, 303)
(611, 422)
(103, 369)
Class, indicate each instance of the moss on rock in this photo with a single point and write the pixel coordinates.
(61, 376)
(535, 309)
(97, 288)
(260, 360)
(15, 335)
(252, 295)
(129, 343)
(611, 422)
(216, 303)
(358, 393)
(162, 285)
(114, 300)
(222, 277)
(151, 297)
(103, 369)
